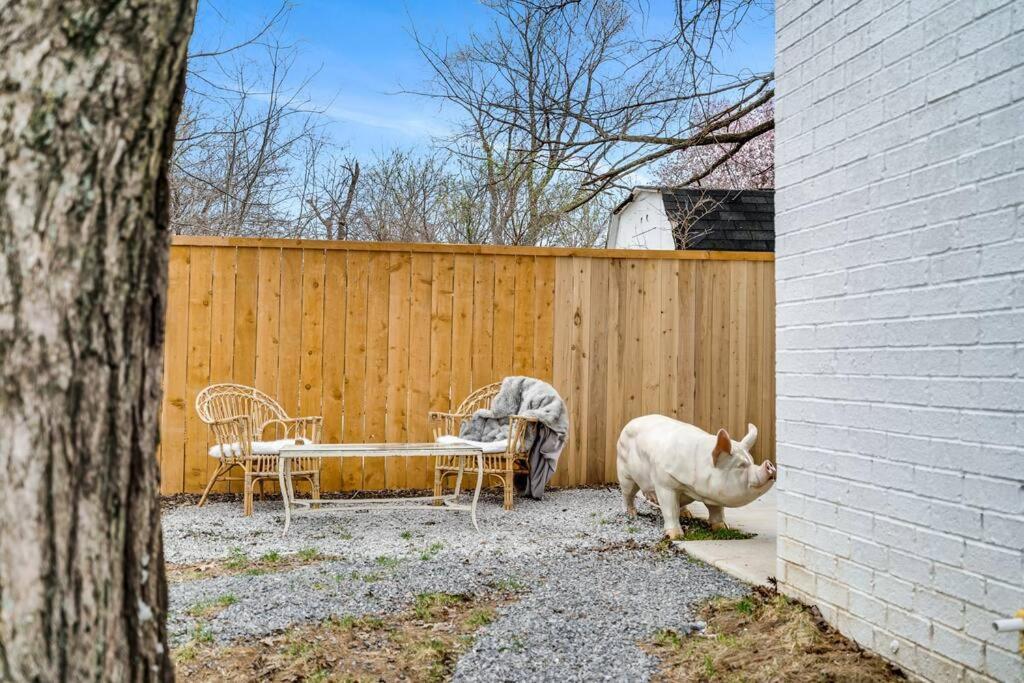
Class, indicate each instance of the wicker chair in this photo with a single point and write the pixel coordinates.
(239, 416)
(502, 466)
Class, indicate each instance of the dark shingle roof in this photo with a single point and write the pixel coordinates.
(724, 220)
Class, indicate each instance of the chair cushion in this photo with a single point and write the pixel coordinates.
(258, 447)
(485, 446)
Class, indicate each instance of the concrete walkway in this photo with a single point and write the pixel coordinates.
(751, 560)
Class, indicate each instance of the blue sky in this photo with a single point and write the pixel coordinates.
(362, 53)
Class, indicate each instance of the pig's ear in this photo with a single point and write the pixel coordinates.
(750, 439)
(722, 445)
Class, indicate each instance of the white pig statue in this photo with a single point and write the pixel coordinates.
(678, 463)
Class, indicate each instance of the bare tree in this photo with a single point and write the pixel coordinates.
(515, 88)
(240, 158)
(89, 104)
(329, 189)
(570, 92)
(403, 197)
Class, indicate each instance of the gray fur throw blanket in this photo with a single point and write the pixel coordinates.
(528, 397)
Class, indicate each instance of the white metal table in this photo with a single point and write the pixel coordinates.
(377, 450)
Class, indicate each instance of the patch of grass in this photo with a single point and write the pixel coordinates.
(185, 653)
(667, 637)
(208, 608)
(237, 559)
(481, 617)
(309, 554)
(426, 605)
(370, 577)
(344, 623)
(765, 637)
(406, 535)
(202, 634)
(709, 667)
(387, 561)
(508, 586)
(632, 529)
(298, 648)
(432, 550)
(273, 557)
(372, 621)
(697, 533)
(345, 536)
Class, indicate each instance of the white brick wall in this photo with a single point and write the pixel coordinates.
(900, 276)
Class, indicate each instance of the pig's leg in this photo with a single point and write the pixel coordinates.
(716, 517)
(669, 501)
(629, 489)
(683, 502)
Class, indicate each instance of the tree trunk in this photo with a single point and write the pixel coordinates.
(89, 96)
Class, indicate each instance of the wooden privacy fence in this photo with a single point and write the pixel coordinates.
(373, 336)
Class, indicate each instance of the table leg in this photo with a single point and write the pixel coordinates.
(282, 478)
(479, 483)
(458, 477)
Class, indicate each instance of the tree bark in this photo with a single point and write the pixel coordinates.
(89, 96)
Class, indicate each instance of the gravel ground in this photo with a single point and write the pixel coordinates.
(587, 592)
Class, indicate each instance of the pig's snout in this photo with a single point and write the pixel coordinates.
(769, 469)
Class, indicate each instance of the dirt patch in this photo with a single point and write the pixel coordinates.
(238, 562)
(765, 637)
(421, 644)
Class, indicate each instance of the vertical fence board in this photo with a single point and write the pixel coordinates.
(268, 310)
(441, 330)
(291, 331)
(705, 333)
(544, 327)
(373, 337)
(650, 337)
(222, 333)
(615, 332)
(311, 336)
(396, 385)
(375, 402)
(197, 375)
(482, 346)
(246, 288)
(580, 383)
(504, 316)
(632, 356)
(462, 328)
(562, 362)
(333, 347)
(353, 424)
(419, 472)
(175, 408)
(686, 347)
(523, 324)
(597, 372)
(668, 380)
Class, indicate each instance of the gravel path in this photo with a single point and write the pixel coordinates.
(587, 592)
